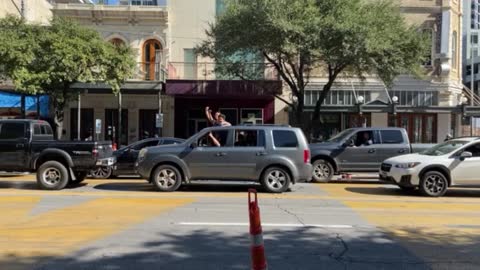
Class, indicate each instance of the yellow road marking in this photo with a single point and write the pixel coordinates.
(60, 231)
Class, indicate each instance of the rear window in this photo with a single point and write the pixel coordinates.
(284, 138)
(46, 130)
(391, 136)
(10, 131)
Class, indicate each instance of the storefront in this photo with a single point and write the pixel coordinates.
(34, 107)
(241, 102)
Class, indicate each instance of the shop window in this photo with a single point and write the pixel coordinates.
(421, 128)
(252, 116)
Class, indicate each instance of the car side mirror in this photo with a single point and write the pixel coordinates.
(465, 155)
(193, 145)
(349, 143)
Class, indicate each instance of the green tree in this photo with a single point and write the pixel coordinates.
(49, 59)
(300, 38)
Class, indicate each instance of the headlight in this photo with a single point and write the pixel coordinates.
(142, 154)
(408, 165)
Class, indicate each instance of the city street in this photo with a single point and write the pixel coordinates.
(125, 224)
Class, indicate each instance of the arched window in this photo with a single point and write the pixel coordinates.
(117, 41)
(152, 58)
(454, 50)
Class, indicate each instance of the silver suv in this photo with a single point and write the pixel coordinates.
(276, 156)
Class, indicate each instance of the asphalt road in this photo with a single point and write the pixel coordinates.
(125, 224)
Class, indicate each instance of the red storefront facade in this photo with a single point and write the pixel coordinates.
(242, 102)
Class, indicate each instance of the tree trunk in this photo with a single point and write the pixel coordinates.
(59, 123)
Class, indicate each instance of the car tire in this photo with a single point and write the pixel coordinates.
(167, 178)
(79, 177)
(101, 172)
(52, 175)
(275, 180)
(433, 184)
(322, 171)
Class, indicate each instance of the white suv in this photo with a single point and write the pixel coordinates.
(452, 163)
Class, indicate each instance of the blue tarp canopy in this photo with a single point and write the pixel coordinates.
(13, 100)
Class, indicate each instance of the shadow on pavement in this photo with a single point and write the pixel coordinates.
(143, 186)
(31, 185)
(383, 191)
(286, 249)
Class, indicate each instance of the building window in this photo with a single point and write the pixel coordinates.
(190, 64)
(454, 50)
(117, 42)
(421, 128)
(336, 97)
(416, 98)
(219, 7)
(428, 34)
(152, 59)
(251, 116)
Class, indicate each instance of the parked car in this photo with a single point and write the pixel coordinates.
(29, 146)
(452, 163)
(276, 156)
(359, 150)
(126, 157)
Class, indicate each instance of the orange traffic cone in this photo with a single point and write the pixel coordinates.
(259, 261)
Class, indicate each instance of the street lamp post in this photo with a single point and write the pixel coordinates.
(394, 109)
(360, 101)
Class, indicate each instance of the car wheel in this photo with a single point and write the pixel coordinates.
(52, 175)
(433, 184)
(322, 170)
(167, 178)
(275, 180)
(79, 177)
(101, 172)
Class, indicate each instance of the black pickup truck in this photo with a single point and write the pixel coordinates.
(29, 146)
(360, 150)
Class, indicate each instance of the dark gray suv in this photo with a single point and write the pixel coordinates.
(276, 156)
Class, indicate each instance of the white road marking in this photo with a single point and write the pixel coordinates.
(332, 226)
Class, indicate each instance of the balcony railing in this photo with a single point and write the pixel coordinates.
(214, 71)
(150, 72)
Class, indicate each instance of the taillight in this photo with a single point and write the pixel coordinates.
(306, 156)
(95, 152)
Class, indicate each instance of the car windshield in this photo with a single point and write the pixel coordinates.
(341, 136)
(444, 148)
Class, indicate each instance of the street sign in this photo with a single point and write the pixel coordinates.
(98, 126)
(159, 120)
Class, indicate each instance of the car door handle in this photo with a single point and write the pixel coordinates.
(261, 154)
(220, 154)
(371, 151)
(401, 151)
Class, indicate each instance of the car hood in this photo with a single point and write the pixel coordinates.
(410, 158)
(324, 145)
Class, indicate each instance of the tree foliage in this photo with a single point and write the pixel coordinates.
(49, 59)
(303, 38)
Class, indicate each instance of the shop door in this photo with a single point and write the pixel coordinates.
(146, 121)
(86, 124)
(111, 120)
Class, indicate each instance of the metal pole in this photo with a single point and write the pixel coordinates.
(119, 128)
(160, 111)
(79, 115)
(22, 8)
(22, 107)
(472, 81)
(38, 106)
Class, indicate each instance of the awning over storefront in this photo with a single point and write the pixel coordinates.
(11, 100)
(131, 87)
(231, 88)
